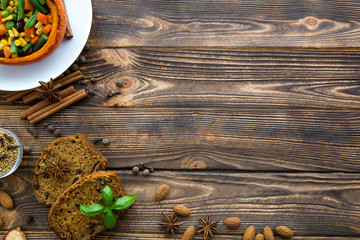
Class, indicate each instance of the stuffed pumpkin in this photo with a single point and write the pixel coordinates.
(30, 30)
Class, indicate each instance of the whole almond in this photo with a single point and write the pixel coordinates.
(249, 233)
(189, 233)
(259, 236)
(268, 234)
(181, 210)
(5, 200)
(284, 232)
(161, 192)
(232, 222)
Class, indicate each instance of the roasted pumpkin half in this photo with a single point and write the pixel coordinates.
(30, 30)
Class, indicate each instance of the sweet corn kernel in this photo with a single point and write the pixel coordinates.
(26, 19)
(17, 42)
(15, 31)
(16, 3)
(14, 55)
(11, 17)
(12, 3)
(9, 42)
(15, 9)
(39, 31)
(3, 44)
(9, 9)
(27, 39)
(38, 25)
(11, 34)
(23, 42)
(29, 14)
(22, 34)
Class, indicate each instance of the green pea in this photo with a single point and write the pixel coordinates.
(14, 16)
(5, 14)
(10, 24)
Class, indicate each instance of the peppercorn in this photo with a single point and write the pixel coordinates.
(74, 67)
(105, 142)
(26, 149)
(116, 103)
(146, 172)
(57, 133)
(67, 72)
(82, 59)
(50, 128)
(86, 47)
(119, 83)
(135, 170)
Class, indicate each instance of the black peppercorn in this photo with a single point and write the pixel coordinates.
(146, 172)
(86, 47)
(91, 92)
(82, 59)
(50, 128)
(74, 67)
(77, 204)
(67, 72)
(57, 133)
(119, 83)
(116, 103)
(135, 170)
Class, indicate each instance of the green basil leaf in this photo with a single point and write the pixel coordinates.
(123, 203)
(109, 219)
(107, 196)
(91, 210)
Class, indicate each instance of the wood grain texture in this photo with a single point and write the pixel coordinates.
(222, 139)
(230, 23)
(310, 204)
(311, 79)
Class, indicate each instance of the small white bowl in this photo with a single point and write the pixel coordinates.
(19, 156)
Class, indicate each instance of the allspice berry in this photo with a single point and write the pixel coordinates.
(146, 172)
(135, 170)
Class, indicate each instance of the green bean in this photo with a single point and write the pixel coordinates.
(38, 6)
(41, 42)
(32, 20)
(21, 11)
(14, 48)
(42, 2)
(4, 4)
(29, 45)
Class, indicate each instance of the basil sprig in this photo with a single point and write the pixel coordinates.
(121, 203)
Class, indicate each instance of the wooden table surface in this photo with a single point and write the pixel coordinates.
(246, 108)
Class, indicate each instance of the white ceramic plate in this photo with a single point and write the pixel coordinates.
(15, 78)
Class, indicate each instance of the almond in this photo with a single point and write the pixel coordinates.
(181, 210)
(189, 233)
(249, 233)
(268, 234)
(284, 232)
(6, 200)
(161, 192)
(259, 236)
(232, 222)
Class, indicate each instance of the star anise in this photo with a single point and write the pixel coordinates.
(207, 227)
(49, 90)
(58, 167)
(170, 223)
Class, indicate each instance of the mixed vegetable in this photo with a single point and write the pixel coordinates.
(25, 26)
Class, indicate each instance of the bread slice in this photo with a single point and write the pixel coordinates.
(77, 156)
(65, 217)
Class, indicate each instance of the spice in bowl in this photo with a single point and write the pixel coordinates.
(10, 152)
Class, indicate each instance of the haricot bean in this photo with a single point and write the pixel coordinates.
(4, 4)
(41, 42)
(38, 6)
(32, 20)
(21, 11)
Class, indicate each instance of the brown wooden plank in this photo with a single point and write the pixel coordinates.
(311, 79)
(311, 204)
(226, 139)
(245, 23)
(36, 235)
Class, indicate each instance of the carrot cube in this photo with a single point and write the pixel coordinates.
(35, 39)
(28, 5)
(30, 33)
(3, 29)
(47, 29)
(49, 19)
(41, 18)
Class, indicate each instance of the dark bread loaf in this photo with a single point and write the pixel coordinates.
(65, 217)
(76, 156)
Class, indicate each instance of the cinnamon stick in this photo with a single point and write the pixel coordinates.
(68, 31)
(17, 95)
(72, 77)
(64, 93)
(55, 107)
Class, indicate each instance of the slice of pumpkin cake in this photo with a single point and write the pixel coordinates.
(62, 163)
(70, 223)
